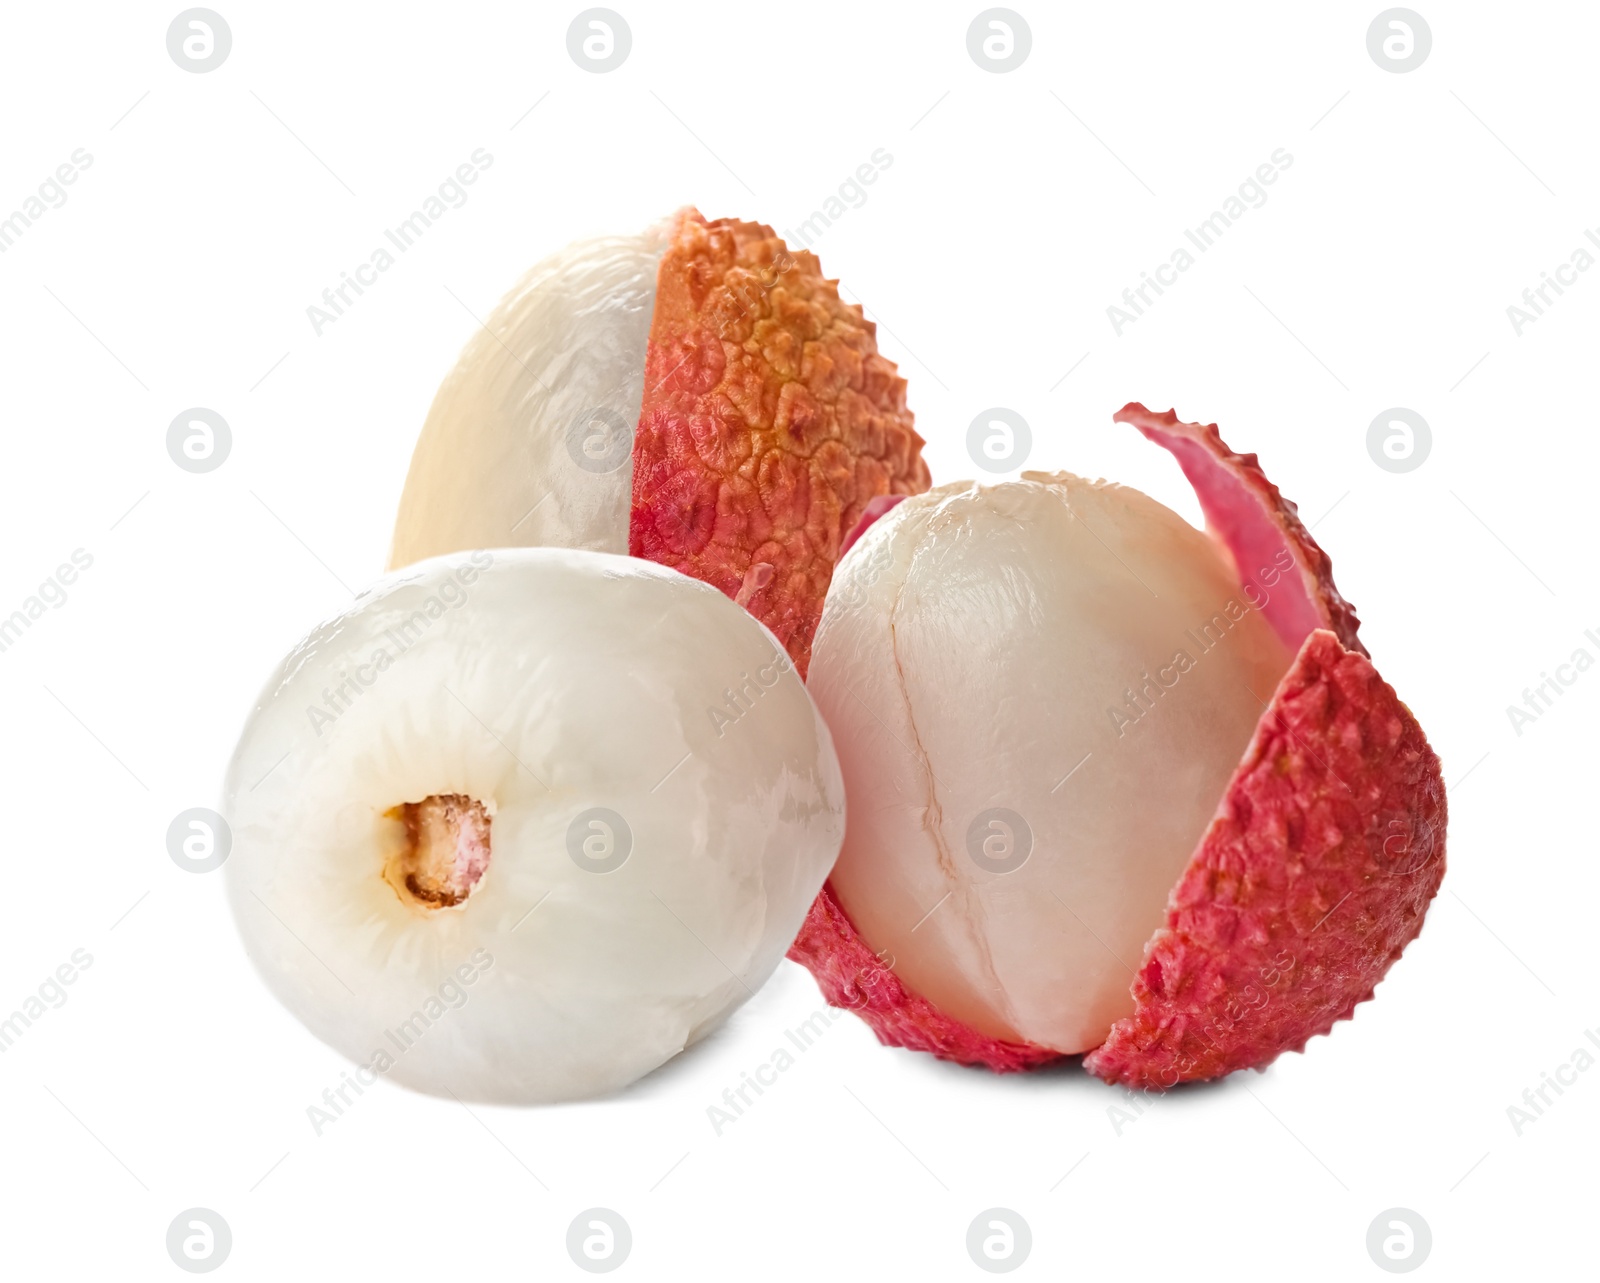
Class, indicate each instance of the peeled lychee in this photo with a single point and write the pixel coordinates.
(1115, 787)
(696, 395)
(521, 825)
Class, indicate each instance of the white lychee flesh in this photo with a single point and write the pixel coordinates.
(530, 438)
(431, 797)
(1068, 652)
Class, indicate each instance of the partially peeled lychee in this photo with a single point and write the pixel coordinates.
(697, 395)
(1116, 788)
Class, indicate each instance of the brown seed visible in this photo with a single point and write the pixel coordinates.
(445, 853)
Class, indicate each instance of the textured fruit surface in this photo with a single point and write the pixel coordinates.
(1328, 846)
(769, 421)
(527, 823)
(1313, 874)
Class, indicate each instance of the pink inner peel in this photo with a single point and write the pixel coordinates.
(1250, 517)
(876, 507)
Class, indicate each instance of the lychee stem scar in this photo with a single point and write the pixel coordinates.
(445, 852)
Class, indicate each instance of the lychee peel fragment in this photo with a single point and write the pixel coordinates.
(1252, 519)
(769, 421)
(1325, 852)
(1315, 874)
(875, 508)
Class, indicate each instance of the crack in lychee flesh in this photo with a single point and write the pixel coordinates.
(963, 914)
(1032, 627)
(445, 851)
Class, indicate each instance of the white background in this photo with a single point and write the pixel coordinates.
(178, 273)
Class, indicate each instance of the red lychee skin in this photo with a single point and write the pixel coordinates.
(769, 422)
(1325, 852)
(1312, 878)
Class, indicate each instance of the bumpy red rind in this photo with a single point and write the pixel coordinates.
(768, 423)
(1314, 875)
(1277, 560)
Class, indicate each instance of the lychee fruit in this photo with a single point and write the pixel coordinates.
(1116, 787)
(521, 825)
(697, 395)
